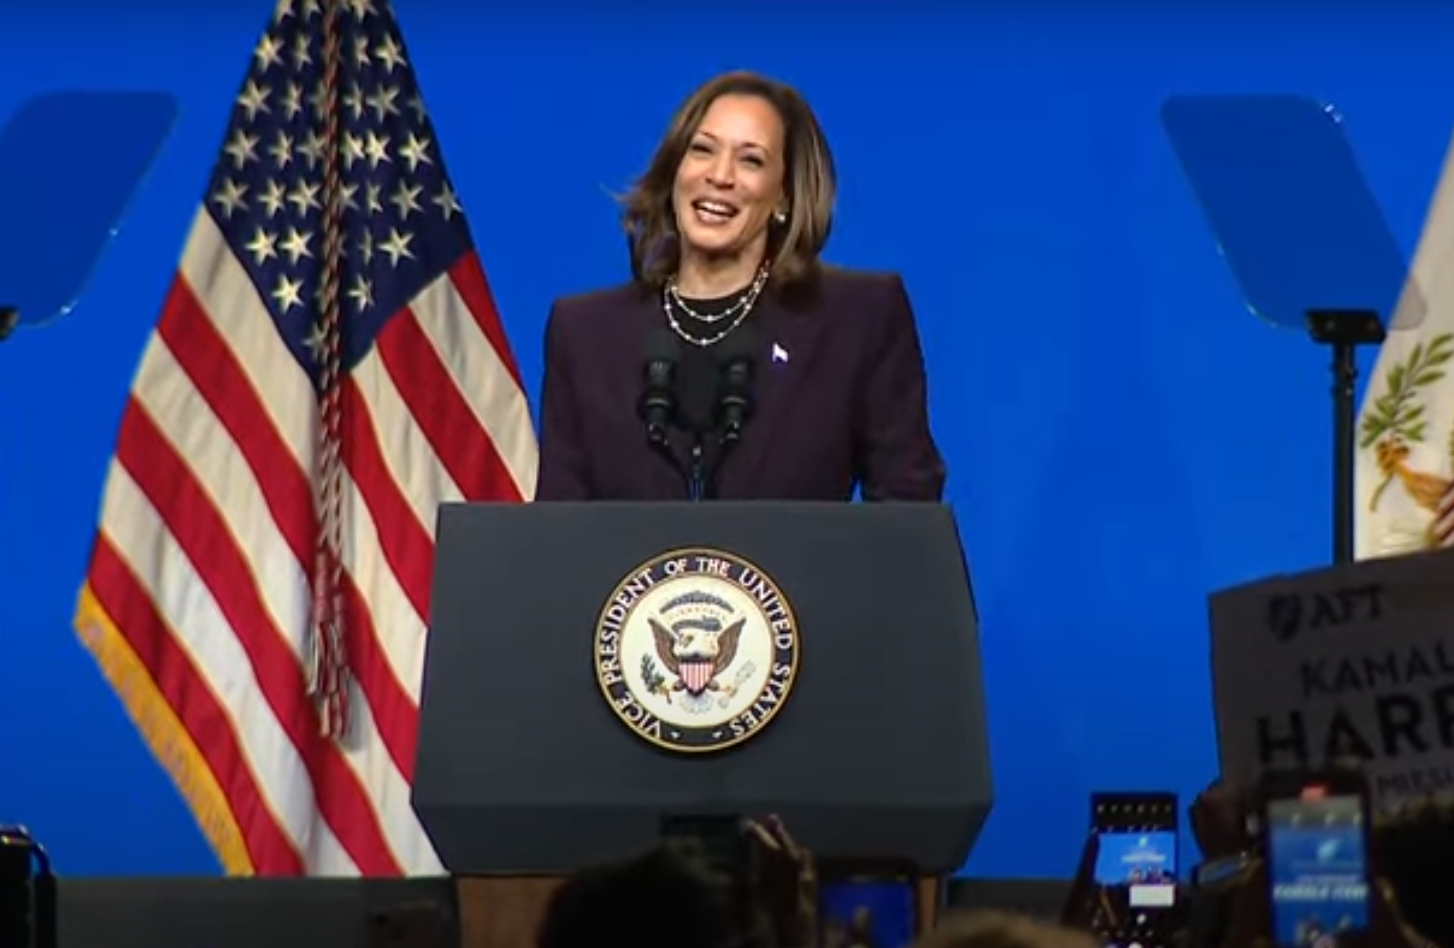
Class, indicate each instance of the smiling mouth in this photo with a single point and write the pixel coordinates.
(714, 212)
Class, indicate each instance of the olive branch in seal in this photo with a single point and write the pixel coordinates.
(651, 677)
(1396, 418)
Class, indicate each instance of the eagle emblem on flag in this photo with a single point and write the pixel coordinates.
(1395, 429)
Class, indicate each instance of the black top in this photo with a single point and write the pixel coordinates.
(697, 379)
(856, 423)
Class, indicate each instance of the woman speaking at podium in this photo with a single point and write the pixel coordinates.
(735, 365)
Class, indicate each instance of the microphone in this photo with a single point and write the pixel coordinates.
(658, 405)
(737, 359)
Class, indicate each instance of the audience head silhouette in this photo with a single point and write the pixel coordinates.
(664, 898)
(987, 929)
(1412, 847)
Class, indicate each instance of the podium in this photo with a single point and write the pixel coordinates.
(594, 668)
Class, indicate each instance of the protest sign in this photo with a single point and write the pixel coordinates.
(1353, 661)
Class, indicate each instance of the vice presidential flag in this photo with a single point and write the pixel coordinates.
(1405, 466)
(327, 369)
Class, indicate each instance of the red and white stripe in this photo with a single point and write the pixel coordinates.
(197, 597)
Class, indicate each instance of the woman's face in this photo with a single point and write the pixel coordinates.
(730, 181)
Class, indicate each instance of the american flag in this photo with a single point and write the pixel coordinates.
(241, 469)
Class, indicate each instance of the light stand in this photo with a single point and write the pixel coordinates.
(1344, 330)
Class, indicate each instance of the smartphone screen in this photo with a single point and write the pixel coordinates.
(1137, 846)
(868, 912)
(1317, 857)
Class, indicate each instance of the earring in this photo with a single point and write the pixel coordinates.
(781, 217)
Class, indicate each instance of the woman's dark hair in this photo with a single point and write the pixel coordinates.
(810, 184)
(664, 898)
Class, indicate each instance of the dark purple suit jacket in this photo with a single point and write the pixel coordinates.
(840, 395)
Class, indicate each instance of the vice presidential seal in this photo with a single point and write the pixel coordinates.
(696, 650)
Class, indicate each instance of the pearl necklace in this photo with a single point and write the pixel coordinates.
(746, 304)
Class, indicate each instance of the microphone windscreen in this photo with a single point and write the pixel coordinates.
(662, 345)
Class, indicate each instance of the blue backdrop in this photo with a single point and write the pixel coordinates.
(1122, 436)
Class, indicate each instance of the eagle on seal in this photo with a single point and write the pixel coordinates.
(696, 653)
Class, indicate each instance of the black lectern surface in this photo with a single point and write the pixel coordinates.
(877, 746)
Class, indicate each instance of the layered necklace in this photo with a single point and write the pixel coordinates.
(733, 316)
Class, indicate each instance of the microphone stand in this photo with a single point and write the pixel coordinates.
(697, 476)
(658, 407)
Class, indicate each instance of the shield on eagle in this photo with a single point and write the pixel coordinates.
(696, 650)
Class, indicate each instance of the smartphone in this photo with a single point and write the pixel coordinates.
(1137, 836)
(1315, 834)
(867, 904)
(1135, 870)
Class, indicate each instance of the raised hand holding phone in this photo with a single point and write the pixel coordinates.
(1310, 881)
(1316, 850)
(1134, 875)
